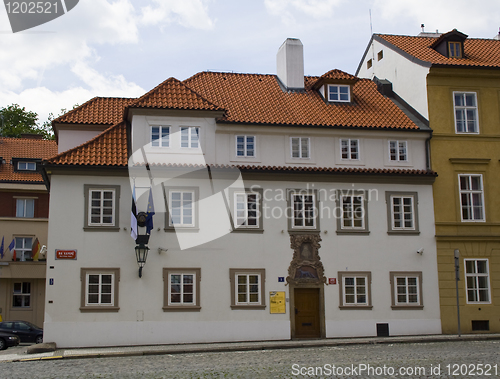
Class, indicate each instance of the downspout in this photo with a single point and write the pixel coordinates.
(428, 152)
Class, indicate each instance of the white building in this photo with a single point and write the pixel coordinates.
(285, 207)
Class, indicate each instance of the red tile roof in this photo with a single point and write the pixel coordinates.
(173, 94)
(97, 111)
(259, 99)
(106, 149)
(477, 52)
(23, 148)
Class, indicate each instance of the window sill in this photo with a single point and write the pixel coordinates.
(248, 230)
(354, 231)
(99, 309)
(101, 228)
(303, 231)
(360, 307)
(182, 229)
(407, 307)
(404, 232)
(181, 308)
(249, 307)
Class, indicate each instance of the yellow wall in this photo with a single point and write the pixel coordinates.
(452, 154)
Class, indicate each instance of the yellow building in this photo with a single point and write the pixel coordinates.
(454, 82)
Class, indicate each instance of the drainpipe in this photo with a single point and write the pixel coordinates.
(428, 152)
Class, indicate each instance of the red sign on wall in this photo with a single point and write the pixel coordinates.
(65, 254)
(332, 280)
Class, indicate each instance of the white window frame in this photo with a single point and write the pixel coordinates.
(191, 143)
(182, 208)
(350, 210)
(102, 207)
(28, 166)
(398, 155)
(406, 293)
(403, 212)
(247, 292)
(241, 221)
(301, 141)
(476, 275)
(22, 211)
(24, 252)
(161, 141)
(303, 211)
(366, 294)
(465, 108)
(182, 284)
(349, 152)
(338, 100)
(469, 193)
(22, 295)
(100, 292)
(245, 151)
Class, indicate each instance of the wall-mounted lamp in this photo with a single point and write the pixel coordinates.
(141, 251)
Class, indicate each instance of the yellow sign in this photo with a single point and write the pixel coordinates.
(277, 301)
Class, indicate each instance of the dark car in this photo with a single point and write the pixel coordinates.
(8, 340)
(26, 331)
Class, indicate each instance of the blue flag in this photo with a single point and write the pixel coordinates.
(150, 212)
(12, 244)
(1, 248)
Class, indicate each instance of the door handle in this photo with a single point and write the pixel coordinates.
(296, 311)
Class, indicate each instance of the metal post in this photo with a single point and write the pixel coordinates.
(457, 278)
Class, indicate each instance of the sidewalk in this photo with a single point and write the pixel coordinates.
(101, 352)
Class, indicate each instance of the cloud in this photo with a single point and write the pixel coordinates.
(188, 13)
(288, 9)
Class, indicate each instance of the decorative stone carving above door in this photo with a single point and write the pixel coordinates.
(306, 266)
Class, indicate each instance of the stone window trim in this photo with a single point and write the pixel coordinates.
(290, 211)
(352, 230)
(101, 228)
(166, 284)
(469, 113)
(232, 201)
(84, 271)
(476, 277)
(390, 229)
(166, 196)
(407, 274)
(233, 272)
(349, 274)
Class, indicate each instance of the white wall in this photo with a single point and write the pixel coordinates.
(408, 78)
(70, 138)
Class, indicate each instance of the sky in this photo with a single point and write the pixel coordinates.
(124, 48)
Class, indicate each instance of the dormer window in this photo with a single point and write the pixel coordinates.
(26, 166)
(339, 93)
(454, 50)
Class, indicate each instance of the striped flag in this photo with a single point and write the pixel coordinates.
(11, 248)
(133, 217)
(150, 213)
(35, 250)
(1, 248)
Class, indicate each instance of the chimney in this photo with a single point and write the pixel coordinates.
(497, 37)
(290, 64)
(31, 136)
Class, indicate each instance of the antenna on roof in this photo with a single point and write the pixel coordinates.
(423, 27)
(371, 26)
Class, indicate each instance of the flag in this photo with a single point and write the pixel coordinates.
(11, 248)
(35, 250)
(133, 217)
(1, 248)
(150, 213)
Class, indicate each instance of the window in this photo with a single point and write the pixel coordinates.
(402, 212)
(398, 151)
(353, 213)
(182, 289)
(99, 289)
(455, 50)
(181, 208)
(304, 214)
(471, 197)
(340, 93)
(247, 288)
(369, 64)
(380, 55)
(25, 208)
(465, 112)
(406, 290)
(101, 207)
(190, 137)
(23, 246)
(246, 210)
(21, 297)
(245, 146)
(300, 147)
(355, 290)
(349, 148)
(477, 282)
(26, 166)
(160, 136)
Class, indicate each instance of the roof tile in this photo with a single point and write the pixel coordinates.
(97, 111)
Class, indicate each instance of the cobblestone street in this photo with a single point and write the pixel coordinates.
(463, 359)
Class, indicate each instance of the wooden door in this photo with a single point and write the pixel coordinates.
(307, 320)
